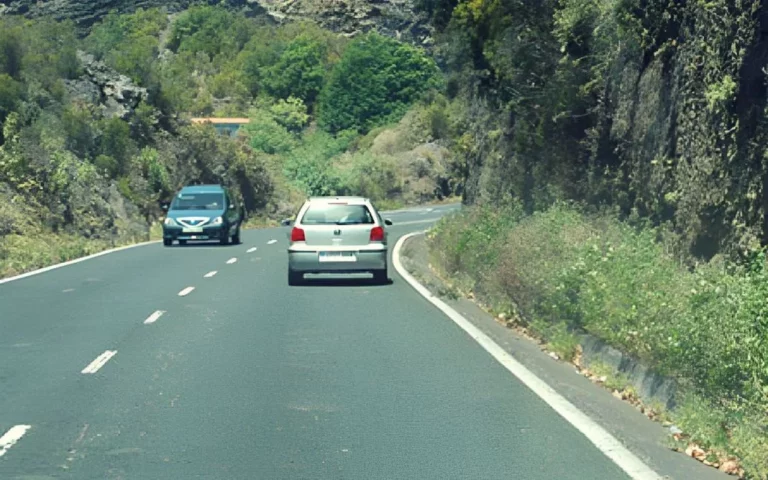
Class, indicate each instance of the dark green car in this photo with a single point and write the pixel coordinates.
(203, 212)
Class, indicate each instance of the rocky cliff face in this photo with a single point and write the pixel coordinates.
(115, 94)
(396, 18)
(86, 12)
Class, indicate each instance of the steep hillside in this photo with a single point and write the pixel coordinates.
(390, 17)
(96, 134)
(652, 107)
(615, 159)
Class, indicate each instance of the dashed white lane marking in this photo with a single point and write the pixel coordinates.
(251, 250)
(186, 291)
(100, 361)
(271, 242)
(154, 317)
(231, 261)
(609, 445)
(210, 274)
(12, 436)
(68, 290)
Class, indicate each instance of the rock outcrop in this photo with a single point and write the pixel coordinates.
(86, 12)
(114, 93)
(396, 18)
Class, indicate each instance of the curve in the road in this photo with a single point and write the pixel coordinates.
(604, 441)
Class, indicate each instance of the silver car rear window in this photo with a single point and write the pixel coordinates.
(337, 214)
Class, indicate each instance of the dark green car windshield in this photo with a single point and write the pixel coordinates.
(198, 201)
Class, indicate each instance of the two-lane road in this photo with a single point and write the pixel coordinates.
(243, 377)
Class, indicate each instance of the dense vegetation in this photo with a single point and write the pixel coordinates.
(648, 118)
(653, 106)
(79, 172)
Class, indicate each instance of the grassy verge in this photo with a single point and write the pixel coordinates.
(20, 254)
(562, 271)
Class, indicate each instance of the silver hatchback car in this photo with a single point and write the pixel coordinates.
(338, 235)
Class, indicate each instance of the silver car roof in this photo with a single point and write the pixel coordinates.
(349, 199)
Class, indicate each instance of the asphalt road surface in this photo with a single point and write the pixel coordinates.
(107, 372)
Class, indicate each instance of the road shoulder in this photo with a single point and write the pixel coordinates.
(644, 438)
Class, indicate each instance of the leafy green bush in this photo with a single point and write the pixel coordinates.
(129, 42)
(374, 176)
(310, 166)
(212, 30)
(375, 81)
(300, 70)
(291, 113)
(267, 135)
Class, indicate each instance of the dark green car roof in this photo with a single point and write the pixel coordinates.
(203, 189)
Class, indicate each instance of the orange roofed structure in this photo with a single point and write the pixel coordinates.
(225, 126)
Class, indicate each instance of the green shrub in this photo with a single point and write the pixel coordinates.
(374, 176)
(300, 70)
(375, 81)
(267, 135)
(310, 167)
(291, 113)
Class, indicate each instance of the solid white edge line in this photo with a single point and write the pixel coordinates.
(99, 362)
(76, 260)
(12, 436)
(210, 274)
(604, 441)
(231, 261)
(414, 222)
(271, 242)
(186, 291)
(154, 317)
(251, 250)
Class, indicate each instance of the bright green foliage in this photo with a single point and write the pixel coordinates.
(377, 79)
(262, 51)
(374, 176)
(115, 142)
(267, 135)
(10, 94)
(291, 114)
(115, 30)
(10, 49)
(212, 30)
(129, 43)
(310, 166)
(300, 70)
(50, 52)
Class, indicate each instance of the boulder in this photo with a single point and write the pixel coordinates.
(114, 93)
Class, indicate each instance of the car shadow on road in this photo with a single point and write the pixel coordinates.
(214, 244)
(344, 282)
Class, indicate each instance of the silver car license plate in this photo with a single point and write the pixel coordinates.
(337, 257)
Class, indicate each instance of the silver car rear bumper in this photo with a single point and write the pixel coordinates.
(306, 261)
